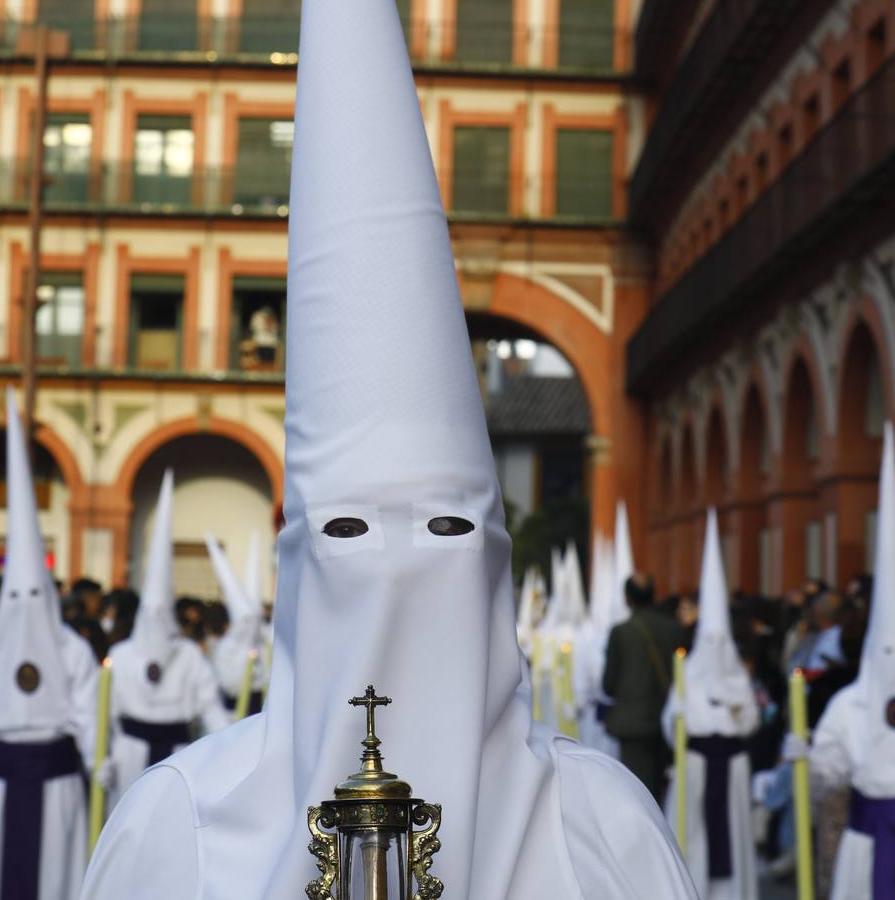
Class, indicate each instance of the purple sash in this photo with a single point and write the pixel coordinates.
(876, 818)
(162, 737)
(25, 768)
(718, 751)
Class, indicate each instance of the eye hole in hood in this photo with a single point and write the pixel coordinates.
(450, 526)
(345, 527)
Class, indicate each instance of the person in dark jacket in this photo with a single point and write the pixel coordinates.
(637, 678)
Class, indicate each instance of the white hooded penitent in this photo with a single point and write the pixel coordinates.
(155, 626)
(623, 564)
(720, 712)
(47, 698)
(394, 564)
(242, 599)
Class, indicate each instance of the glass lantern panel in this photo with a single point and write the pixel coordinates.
(373, 865)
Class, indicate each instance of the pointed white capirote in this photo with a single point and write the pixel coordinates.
(30, 617)
(155, 626)
(623, 563)
(235, 594)
(577, 602)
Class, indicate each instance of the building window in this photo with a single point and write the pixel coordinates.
(163, 160)
(263, 161)
(59, 322)
(586, 34)
(481, 176)
(484, 31)
(784, 144)
(75, 17)
(168, 26)
(257, 329)
(156, 310)
(876, 46)
(67, 140)
(269, 26)
(841, 83)
(761, 172)
(584, 173)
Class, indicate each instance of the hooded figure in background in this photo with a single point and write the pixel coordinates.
(590, 655)
(161, 682)
(854, 742)
(720, 712)
(623, 565)
(394, 563)
(532, 603)
(244, 636)
(47, 708)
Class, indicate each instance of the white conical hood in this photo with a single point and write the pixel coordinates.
(155, 626)
(385, 431)
(714, 656)
(602, 580)
(576, 601)
(33, 684)
(245, 614)
(623, 563)
(252, 578)
(875, 688)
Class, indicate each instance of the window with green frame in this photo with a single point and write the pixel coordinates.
(481, 173)
(263, 161)
(257, 324)
(59, 322)
(75, 17)
(156, 314)
(67, 140)
(163, 160)
(269, 26)
(586, 34)
(168, 26)
(584, 173)
(484, 31)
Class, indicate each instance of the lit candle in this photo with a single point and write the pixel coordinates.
(798, 723)
(245, 691)
(97, 792)
(680, 752)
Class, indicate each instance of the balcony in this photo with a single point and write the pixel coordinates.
(731, 48)
(811, 213)
(582, 52)
(119, 188)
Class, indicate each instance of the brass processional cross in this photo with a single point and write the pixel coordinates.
(371, 758)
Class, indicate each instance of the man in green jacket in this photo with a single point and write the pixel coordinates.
(637, 678)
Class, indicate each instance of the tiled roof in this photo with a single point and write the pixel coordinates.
(529, 405)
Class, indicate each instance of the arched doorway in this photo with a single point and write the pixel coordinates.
(539, 422)
(221, 488)
(853, 490)
(798, 512)
(754, 537)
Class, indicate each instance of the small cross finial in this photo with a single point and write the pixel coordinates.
(370, 701)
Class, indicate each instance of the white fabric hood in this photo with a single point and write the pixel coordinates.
(623, 563)
(34, 691)
(714, 671)
(385, 424)
(241, 600)
(875, 685)
(155, 627)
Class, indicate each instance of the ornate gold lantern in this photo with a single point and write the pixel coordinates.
(364, 839)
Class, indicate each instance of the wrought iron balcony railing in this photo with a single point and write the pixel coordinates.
(719, 67)
(572, 48)
(843, 176)
(121, 187)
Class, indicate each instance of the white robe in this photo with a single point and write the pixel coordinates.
(63, 847)
(159, 837)
(187, 691)
(839, 753)
(704, 719)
